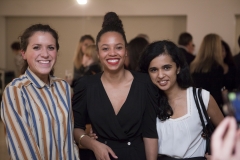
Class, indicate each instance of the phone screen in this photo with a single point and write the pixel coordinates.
(234, 100)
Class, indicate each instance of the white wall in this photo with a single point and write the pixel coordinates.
(71, 28)
(2, 43)
(237, 47)
(203, 16)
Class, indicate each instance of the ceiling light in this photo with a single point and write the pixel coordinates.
(82, 1)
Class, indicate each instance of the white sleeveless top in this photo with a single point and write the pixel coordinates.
(181, 137)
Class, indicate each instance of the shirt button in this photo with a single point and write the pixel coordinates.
(129, 143)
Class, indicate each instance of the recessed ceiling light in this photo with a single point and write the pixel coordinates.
(82, 1)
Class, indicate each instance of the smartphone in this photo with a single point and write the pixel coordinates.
(232, 104)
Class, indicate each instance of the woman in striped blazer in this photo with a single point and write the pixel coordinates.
(36, 107)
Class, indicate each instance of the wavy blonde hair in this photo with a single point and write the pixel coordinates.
(91, 51)
(77, 60)
(210, 54)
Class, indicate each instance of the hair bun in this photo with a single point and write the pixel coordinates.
(111, 23)
(111, 19)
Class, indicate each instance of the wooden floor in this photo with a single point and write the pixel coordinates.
(3, 147)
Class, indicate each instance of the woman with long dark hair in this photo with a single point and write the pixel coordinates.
(178, 123)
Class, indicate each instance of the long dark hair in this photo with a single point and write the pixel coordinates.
(183, 77)
(24, 40)
(135, 48)
(228, 58)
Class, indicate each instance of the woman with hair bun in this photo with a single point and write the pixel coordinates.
(118, 102)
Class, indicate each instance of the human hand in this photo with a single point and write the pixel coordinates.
(102, 151)
(92, 135)
(209, 157)
(68, 77)
(69, 81)
(226, 141)
(89, 131)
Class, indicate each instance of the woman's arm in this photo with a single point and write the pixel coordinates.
(100, 150)
(151, 148)
(150, 135)
(79, 102)
(20, 140)
(214, 112)
(80, 141)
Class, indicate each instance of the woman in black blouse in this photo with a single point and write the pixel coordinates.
(207, 68)
(118, 102)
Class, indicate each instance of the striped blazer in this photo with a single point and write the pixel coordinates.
(38, 119)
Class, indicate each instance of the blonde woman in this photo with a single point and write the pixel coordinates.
(84, 42)
(90, 61)
(207, 68)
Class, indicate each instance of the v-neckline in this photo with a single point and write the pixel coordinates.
(109, 101)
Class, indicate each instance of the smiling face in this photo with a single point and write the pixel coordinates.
(112, 51)
(41, 54)
(163, 72)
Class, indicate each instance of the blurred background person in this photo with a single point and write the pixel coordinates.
(18, 60)
(236, 59)
(229, 67)
(207, 68)
(145, 36)
(90, 61)
(91, 65)
(186, 46)
(134, 50)
(84, 42)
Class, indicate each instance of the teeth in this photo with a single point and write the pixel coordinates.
(163, 82)
(112, 60)
(44, 61)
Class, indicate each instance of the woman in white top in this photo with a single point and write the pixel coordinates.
(178, 123)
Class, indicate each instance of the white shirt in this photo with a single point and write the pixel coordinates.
(181, 137)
